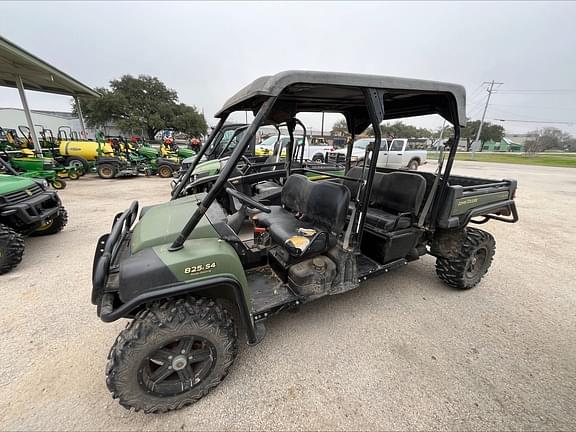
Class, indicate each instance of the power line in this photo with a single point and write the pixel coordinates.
(534, 121)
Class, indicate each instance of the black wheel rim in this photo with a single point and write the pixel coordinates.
(476, 263)
(177, 366)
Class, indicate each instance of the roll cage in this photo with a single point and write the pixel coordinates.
(364, 100)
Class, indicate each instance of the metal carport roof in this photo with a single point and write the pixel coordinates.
(24, 71)
(36, 73)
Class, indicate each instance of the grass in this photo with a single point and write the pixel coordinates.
(566, 160)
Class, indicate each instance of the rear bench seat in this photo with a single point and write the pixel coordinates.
(395, 200)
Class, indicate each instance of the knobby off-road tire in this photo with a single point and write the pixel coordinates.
(171, 355)
(471, 263)
(54, 226)
(11, 249)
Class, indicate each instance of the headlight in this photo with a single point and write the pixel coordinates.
(354, 158)
(45, 184)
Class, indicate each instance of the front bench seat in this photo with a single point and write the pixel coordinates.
(395, 200)
(312, 216)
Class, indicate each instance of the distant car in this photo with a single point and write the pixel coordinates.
(394, 153)
(316, 153)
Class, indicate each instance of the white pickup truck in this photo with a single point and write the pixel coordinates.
(394, 153)
(402, 153)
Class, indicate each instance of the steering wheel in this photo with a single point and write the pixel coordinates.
(247, 164)
(245, 199)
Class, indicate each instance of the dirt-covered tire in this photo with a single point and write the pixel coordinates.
(413, 165)
(171, 355)
(106, 171)
(78, 162)
(165, 171)
(472, 262)
(11, 249)
(54, 226)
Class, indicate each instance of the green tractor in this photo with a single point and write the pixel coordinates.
(193, 284)
(26, 208)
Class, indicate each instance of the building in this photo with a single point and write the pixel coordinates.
(11, 118)
(504, 145)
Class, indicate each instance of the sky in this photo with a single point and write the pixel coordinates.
(207, 51)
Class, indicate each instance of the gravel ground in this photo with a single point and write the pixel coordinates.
(402, 352)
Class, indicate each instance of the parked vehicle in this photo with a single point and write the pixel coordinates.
(402, 153)
(395, 153)
(312, 152)
(27, 207)
(192, 287)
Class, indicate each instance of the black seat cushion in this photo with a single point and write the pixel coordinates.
(387, 221)
(276, 215)
(312, 216)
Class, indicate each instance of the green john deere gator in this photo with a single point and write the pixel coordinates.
(26, 208)
(192, 283)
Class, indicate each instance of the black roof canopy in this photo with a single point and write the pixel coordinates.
(308, 91)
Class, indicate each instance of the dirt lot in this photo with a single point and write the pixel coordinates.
(402, 352)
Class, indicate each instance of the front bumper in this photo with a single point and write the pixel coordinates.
(105, 264)
(35, 210)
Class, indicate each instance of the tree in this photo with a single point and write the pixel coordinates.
(401, 130)
(340, 128)
(549, 138)
(490, 132)
(142, 102)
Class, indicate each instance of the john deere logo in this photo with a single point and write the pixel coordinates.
(29, 192)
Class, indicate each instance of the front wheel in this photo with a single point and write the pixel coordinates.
(11, 249)
(471, 263)
(171, 355)
(54, 225)
(58, 183)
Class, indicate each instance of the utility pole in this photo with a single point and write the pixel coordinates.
(489, 90)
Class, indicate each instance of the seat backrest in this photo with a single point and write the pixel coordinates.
(322, 203)
(355, 172)
(402, 192)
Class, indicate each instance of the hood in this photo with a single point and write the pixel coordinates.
(210, 167)
(162, 223)
(13, 183)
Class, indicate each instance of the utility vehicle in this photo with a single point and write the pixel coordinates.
(189, 283)
(26, 208)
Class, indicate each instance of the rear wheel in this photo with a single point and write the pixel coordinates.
(413, 165)
(171, 355)
(11, 249)
(465, 270)
(54, 225)
(165, 171)
(318, 158)
(107, 171)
